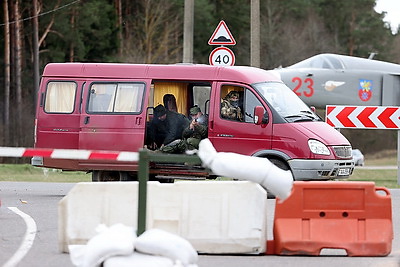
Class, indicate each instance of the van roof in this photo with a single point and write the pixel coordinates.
(183, 72)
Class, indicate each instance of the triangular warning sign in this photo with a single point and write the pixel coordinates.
(222, 35)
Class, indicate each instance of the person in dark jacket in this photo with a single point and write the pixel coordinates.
(157, 129)
(168, 128)
(169, 101)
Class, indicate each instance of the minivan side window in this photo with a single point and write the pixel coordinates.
(60, 97)
(232, 103)
(250, 102)
(201, 97)
(240, 108)
(115, 97)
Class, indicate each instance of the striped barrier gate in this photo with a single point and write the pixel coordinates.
(18, 152)
(144, 159)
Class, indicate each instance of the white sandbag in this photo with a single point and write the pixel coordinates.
(139, 260)
(242, 167)
(77, 254)
(115, 240)
(163, 243)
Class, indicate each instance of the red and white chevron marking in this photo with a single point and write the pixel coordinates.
(18, 152)
(366, 117)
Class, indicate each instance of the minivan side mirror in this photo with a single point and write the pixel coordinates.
(260, 115)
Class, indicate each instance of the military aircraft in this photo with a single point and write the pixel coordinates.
(331, 79)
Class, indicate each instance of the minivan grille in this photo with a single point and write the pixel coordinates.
(342, 151)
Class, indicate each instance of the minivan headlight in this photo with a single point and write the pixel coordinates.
(318, 147)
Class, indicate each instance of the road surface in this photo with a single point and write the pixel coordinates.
(28, 232)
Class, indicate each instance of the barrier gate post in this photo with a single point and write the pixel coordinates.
(145, 157)
(142, 194)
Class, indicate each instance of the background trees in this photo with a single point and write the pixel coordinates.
(151, 31)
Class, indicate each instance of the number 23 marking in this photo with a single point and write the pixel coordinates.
(299, 82)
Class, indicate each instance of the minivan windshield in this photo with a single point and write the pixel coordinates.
(285, 102)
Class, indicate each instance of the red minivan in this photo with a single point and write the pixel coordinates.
(102, 106)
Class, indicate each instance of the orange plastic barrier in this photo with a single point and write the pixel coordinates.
(354, 216)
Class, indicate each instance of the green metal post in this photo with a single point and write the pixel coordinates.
(145, 157)
(142, 194)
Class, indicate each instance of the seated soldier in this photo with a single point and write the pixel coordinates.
(196, 131)
(230, 107)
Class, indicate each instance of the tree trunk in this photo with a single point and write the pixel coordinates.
(18, 69)
(118, 6)
(352, 27)
(6, 74)
(72, 46)
(35, 34)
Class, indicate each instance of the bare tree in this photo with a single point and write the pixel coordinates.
(73, 25)
(351, 40)
(18, 70)
(154, 31)
(118, 8)
(35, 51)
(270, 32)
(6, 73)
(396, 57)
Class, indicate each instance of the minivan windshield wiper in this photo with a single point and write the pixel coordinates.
(300, 117)
(311, 114)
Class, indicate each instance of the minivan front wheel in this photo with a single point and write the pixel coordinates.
(280, 164)
(110, 176)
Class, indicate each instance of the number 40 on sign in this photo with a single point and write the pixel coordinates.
(222, 56)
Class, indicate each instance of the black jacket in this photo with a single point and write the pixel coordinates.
(164, 132)
(176, 123)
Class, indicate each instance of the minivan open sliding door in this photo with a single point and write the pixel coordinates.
(240, 134)
(112, 116)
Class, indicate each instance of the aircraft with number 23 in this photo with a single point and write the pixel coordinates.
(331, 79)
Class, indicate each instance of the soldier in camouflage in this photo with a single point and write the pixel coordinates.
(230, 108)
(197, 130)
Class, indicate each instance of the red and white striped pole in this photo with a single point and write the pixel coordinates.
(18, 152)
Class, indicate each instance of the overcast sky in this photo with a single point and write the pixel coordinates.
(392, 7)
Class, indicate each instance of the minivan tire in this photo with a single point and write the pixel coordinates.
(280, 164)
(110, 176)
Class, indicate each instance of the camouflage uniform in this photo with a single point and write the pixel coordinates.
(199, 131)
(229, 109)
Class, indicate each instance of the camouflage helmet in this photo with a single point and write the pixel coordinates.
(232, 94)
(194, 110)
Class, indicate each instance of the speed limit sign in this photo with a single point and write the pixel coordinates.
(222, 56)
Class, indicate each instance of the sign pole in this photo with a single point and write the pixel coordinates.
(188, 32)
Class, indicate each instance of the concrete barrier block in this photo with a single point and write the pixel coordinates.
(89, 204)
(214, 216)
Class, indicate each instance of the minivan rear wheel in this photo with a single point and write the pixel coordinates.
(110, 176)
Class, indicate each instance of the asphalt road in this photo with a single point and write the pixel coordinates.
(28, 216)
